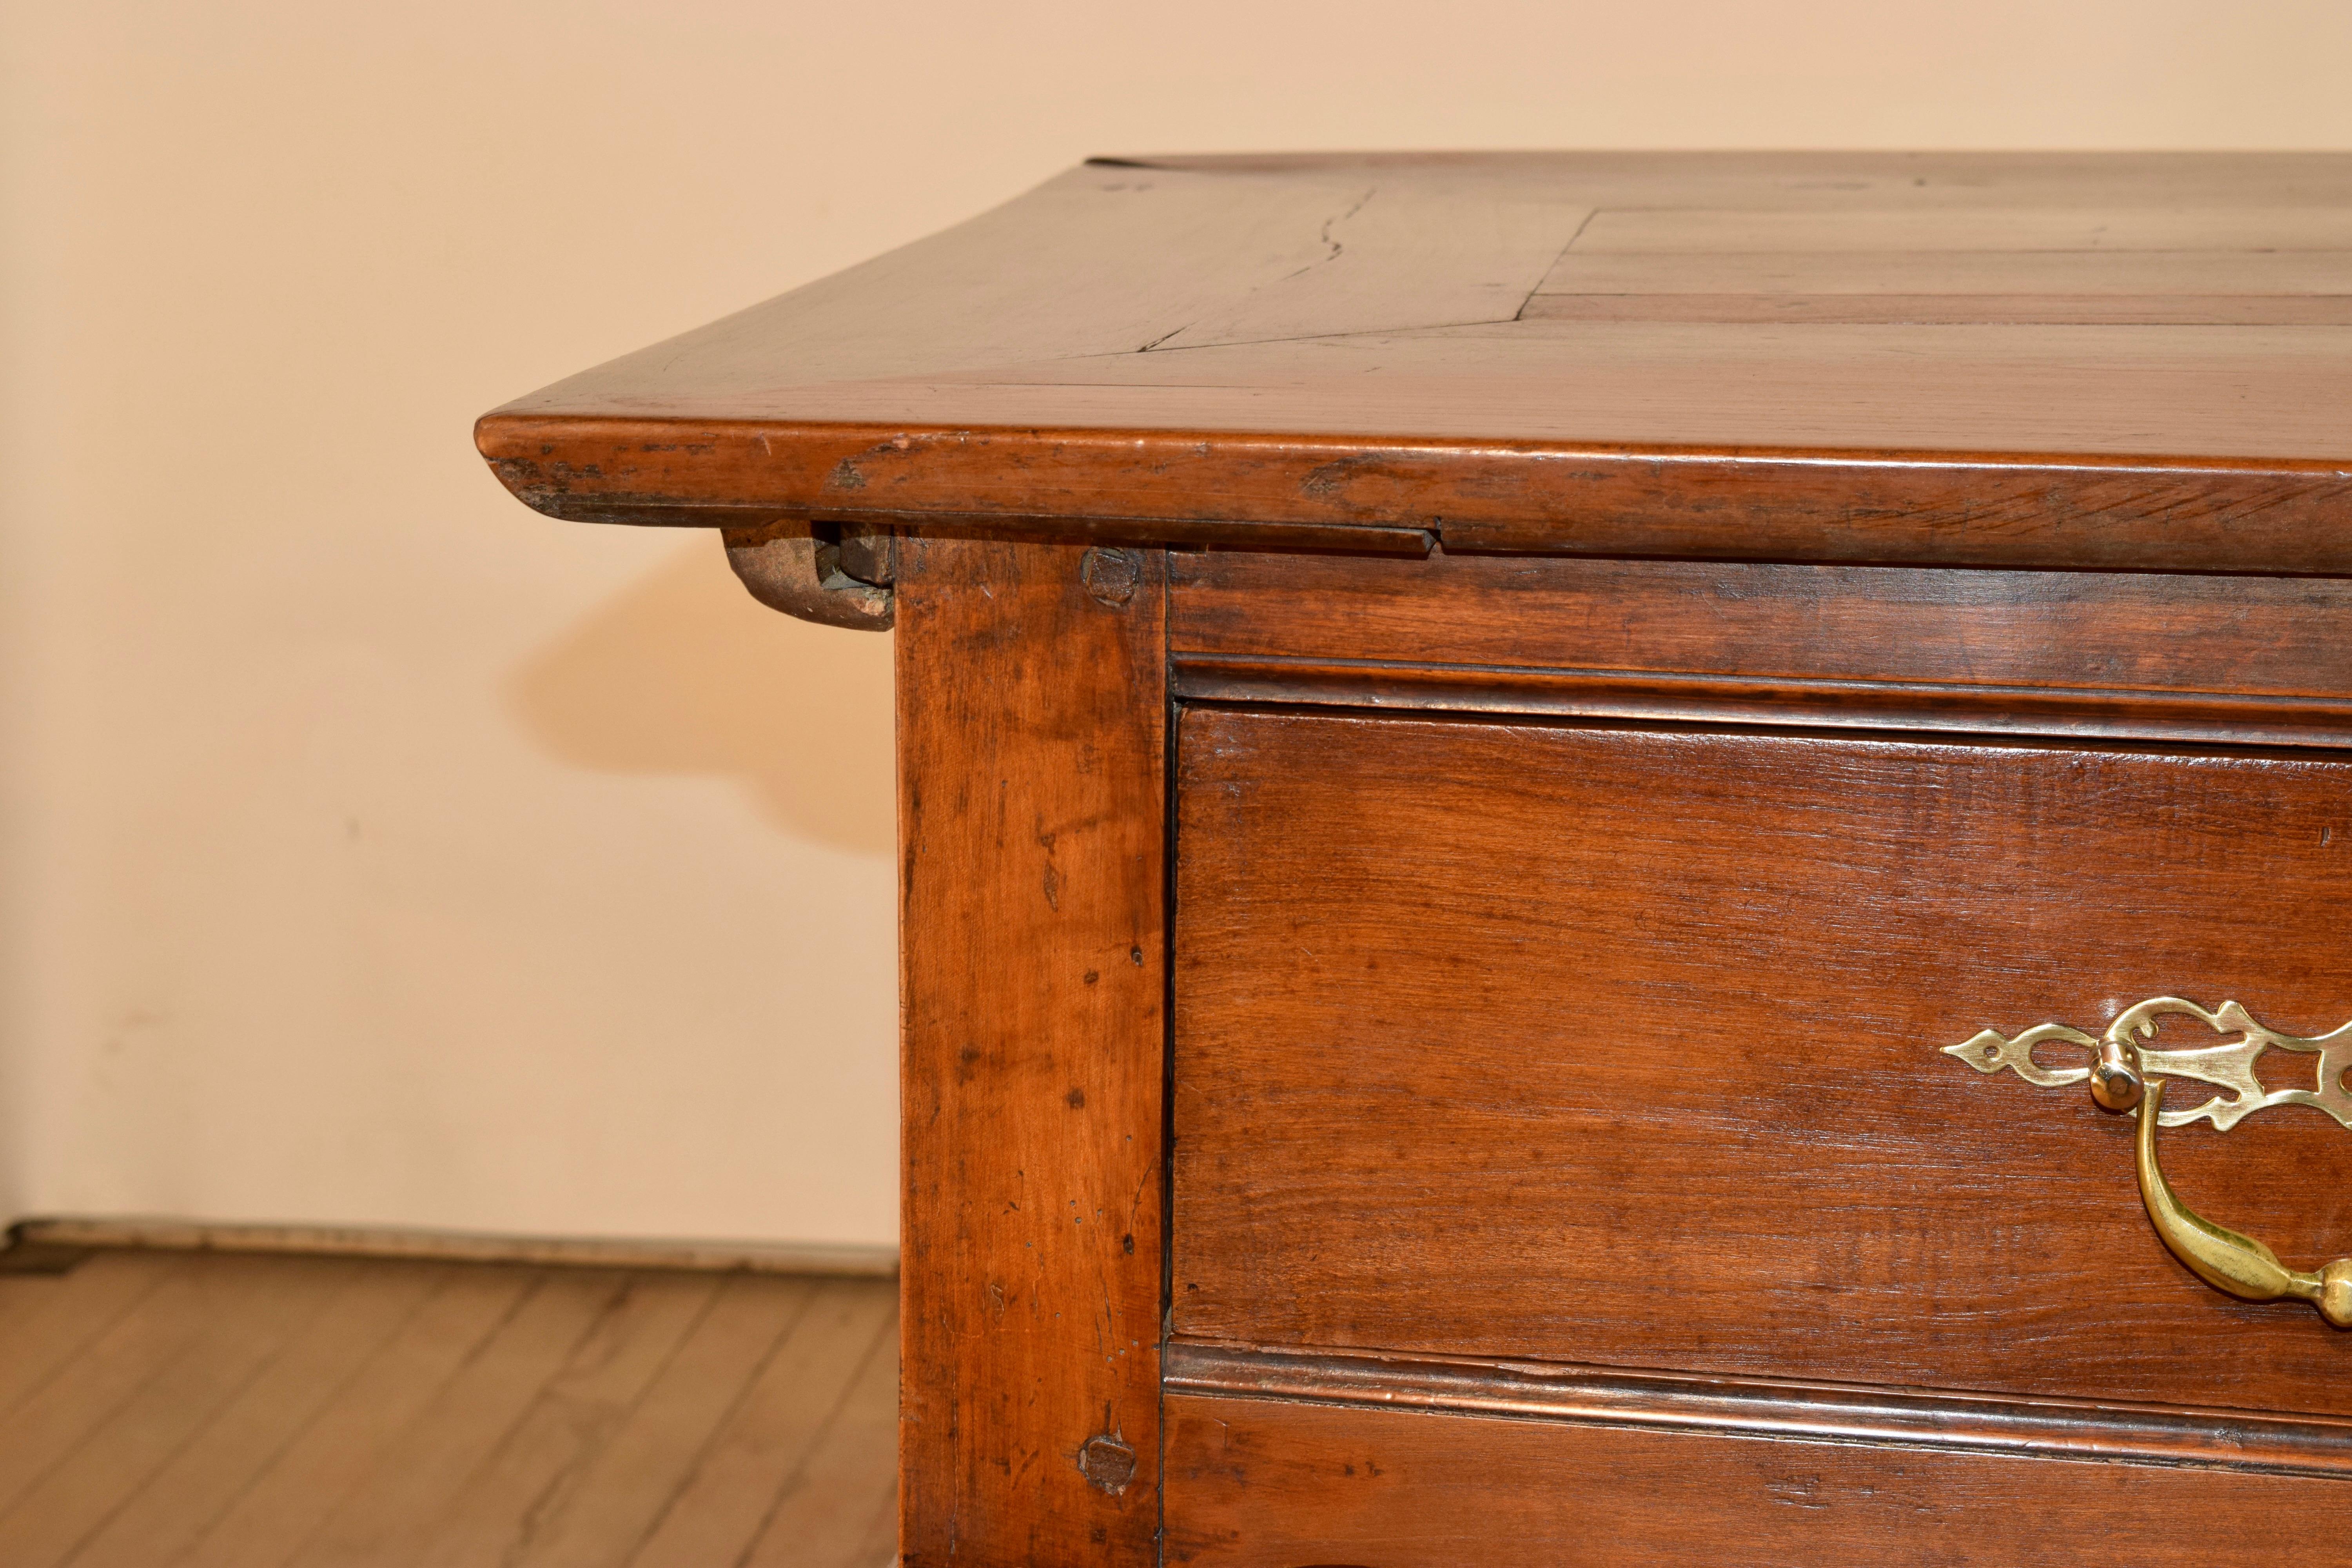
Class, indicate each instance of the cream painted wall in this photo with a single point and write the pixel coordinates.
(374, 851)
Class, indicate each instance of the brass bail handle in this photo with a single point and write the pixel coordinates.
(2216, 1253)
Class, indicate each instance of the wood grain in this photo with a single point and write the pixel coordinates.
(1623, 1047)
(738, 1416)
(1914, 229)
(1729, 700)
(2178, 657)
(1576, 1039)
(2113, 632)
(426, 1471)
(51, 1317)
(1981, 266)
(2239, 272)
(548, 1456)
(163, 1514)
(1254, 1482)
(677, 1468)
(842, 1504)
(106, 1373)
(242, 1319)
(2127, 362)
(1031, 763)
(342, 1448)
(2104, 1429)
(1750, 306)
(769, 1434)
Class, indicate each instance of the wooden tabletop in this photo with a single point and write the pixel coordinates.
(2125, 361)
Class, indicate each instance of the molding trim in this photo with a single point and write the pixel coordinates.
(1642, 696)
(361, 1241)
(1756, 1407)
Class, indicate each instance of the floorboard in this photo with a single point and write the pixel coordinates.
(87, 1388)
(249, 1314)
(166, 1518)
(537, 1475)
(825, 1510)
(724, 1508)
(52, 1318)
(634, 1481)
(347, 1443)
(191, 1410)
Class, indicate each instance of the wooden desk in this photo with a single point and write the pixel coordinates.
(1483, 743)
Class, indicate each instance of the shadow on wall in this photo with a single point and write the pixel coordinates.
(683, 673)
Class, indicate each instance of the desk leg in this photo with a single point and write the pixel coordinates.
(1032, 704)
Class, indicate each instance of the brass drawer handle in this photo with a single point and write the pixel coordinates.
(2221, 1257)
(2126, 1077)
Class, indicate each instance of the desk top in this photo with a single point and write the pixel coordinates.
(2118, 361)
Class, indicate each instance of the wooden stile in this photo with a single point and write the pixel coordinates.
(1031, 735)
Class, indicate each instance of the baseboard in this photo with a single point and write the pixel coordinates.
(69, 1232)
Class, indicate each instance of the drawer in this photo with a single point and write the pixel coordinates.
(1265, 1484)
(1625, 1047)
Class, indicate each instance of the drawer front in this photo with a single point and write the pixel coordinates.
(1625, 1047)
(1262, 1484)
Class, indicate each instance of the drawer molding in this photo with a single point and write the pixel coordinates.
(2126, 1433)
(2094, 714)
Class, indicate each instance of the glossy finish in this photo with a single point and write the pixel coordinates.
(1031, 993)
(2115, 1081)
(2142, 636)
(1263, 1483)
(1756, 1407)
(2090, 655)
(1619, 1045)
(2233, 1063)
(2127, 1076)
(2086, 361)
(2222, 1257)
(1657, 647)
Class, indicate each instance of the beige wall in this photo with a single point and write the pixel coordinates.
(374, 851)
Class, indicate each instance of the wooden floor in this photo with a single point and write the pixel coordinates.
(219, 1411)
